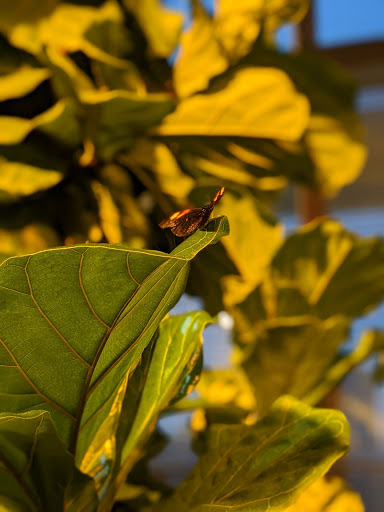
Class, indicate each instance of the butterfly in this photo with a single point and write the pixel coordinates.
(186, 222)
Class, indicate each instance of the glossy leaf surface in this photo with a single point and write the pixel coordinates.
(92, 324)
(171, 372)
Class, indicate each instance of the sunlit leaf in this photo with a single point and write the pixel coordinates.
(233, 161)
(238, 24)
(31, 475)
(160, 25)
(108, 213)
(319, 260)
(18, 180)
(241, 108)
(225, 387)
(337, 151)
(58, 30)
(59, 121)
(328, 494)
(265, 466)
(253, 242)
(97, 320)
(158, 159)
(292, 356)
(21, 82)
(68, 80)
(200, 58)
(14, 129)
(334, 142)
(178, 344)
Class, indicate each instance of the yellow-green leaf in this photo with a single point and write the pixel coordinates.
(20, 82)
(253, 242)
(18, 180)
(200, 58)
(320, 260)
(159, 160)
(265, 466)
(336, 147)
(256, 102)
(160, 25)
(292, 355)
(97, 319)
(328, 494)
(238, 24)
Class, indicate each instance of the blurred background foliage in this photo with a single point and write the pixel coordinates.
(105, 130)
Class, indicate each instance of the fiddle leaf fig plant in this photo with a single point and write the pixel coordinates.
(114, 115)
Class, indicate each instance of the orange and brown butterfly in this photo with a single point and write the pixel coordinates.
(186, 222)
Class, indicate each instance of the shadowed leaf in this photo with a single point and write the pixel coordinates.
(92, 324)
(292, 356)
(266, 466)
(31, 473)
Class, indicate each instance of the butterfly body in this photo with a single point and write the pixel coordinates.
(186, 222)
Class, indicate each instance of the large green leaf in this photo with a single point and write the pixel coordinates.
(334, 140)
(87, 312)
(176, 349)
(37, 473)
(253, 102)
(292, 326)
(265, 466)
(292, 355)
(319, 260)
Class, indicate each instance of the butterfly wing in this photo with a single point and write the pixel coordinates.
(190, 222)
(186, 222)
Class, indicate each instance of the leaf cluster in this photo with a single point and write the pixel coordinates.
(103, 134)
